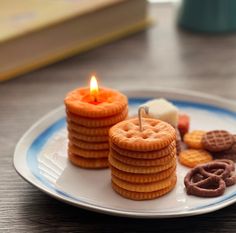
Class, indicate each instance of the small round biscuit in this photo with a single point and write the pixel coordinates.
(99, 122)
(87, 153)
(143, 162)
(100, 131)
(87, 138)
(155, 135)
(139, 169)
(147, 154)
(88, 163)
(110, 102)
(139, 196)
(194, 139)
(145, 187)
(217, 140)
(193, 157)
(142, 178)
(88, 145)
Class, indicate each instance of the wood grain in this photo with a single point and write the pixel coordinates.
(161, 56)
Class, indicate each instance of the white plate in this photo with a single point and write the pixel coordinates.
(41, 159)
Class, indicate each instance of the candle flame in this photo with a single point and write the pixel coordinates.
(94, 87)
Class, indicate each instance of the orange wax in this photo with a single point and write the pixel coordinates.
(108, 102)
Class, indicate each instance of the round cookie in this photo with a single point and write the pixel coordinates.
(110, 102)
(87, 138)
(217, 140)
(194, 139)
(97, 122)
(139, 169)
(87, 153)
(227, 154)
(142, 178)
(139, 196)
(100, 131)
(147, 154)
(89, 145)
(88, 163)
(193, 157)
(155, 135)
(145, 187)
(143, 162)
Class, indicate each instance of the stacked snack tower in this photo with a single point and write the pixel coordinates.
(89, 117)
(143, 158)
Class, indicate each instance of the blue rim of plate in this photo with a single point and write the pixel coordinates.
(36, 146)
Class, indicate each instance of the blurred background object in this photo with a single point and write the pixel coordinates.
(34, 33)
(208, 15)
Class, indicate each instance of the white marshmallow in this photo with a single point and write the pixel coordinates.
(163, 110)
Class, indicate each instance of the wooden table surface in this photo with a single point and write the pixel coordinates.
(161, 56)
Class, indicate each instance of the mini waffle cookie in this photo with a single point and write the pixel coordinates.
(142, 178)
(143, 162)
(110, 103)
(217, 140)
(193, 157)
(227, 154)
(143, 195)
(88, 163)
(194, 139)
(87, 153)
(100, 131)
(145, 155)
(88, 145)
(140, 169)
(98, 122)
(87, 138)
(155, 135)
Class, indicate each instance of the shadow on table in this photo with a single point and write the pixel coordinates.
(54, 215)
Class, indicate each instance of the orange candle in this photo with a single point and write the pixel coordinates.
(95, 102)
(91, 111)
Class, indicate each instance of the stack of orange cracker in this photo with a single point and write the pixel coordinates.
(88, 124)
(143, 162)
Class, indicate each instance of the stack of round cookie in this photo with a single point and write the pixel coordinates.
(88, 124)
(143, 162)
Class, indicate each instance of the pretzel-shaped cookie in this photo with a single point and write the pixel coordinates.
(211, 179)
(212, 186)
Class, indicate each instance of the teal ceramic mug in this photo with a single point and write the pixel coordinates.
(208, 15)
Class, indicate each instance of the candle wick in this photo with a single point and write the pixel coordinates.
(140, 111)
(95, 99)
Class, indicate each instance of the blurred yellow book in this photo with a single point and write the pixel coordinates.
(34, 33)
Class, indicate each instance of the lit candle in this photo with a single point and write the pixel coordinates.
(94, 89)
(94, 101)
(91, 111)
